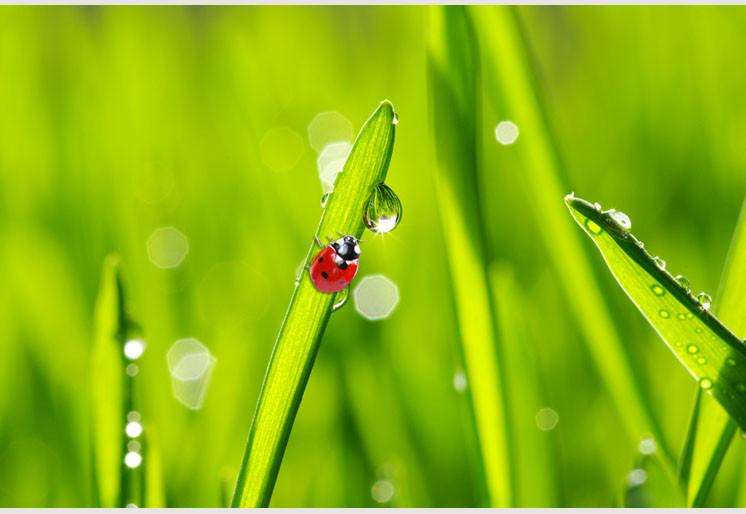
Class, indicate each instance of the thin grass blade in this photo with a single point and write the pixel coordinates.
(532, 448)
(512, 86)
(107, 386)
(452, 67)
(306, 318)
(710, 352)
(715, 428)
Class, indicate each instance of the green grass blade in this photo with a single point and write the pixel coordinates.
(511, 82)
(306, 318)
(716, 428)
(710, 352)
(107, 386)
(687, 452)
(532, 448)
(452, 63)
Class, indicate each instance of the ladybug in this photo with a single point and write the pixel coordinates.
(335, 265)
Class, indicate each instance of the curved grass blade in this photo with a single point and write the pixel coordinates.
(512, 84)
(452, 61)
(714, 428)
(306, 318)
(107, 386)
(709, 351)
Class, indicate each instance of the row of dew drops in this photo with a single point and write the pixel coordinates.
(624, 224)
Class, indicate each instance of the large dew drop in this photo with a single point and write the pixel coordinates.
(620, 219)
(383, 211)
(705, 300)
(684, 283)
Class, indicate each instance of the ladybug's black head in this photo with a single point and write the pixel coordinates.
(347, 247)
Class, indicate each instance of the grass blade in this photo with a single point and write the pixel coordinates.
(709, 351)
(511, 81)
(107, 386)
(532, 448)
(716, 428)
(452, 61)
(306, 318)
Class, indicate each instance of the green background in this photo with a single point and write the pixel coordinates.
(115, 121)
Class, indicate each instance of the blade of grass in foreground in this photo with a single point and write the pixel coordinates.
(306, 318)
(118, 480)
(713, 429)
(512, 86)
(452, 61)
(709, 351)
(107, 386)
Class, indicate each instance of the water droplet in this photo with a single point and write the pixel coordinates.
(341, 299)
(698, 330)
(637, 477)
(459, 381)
(132, 370)
(134, 446)
(701, 360)
(657, 290)
(647, 446)
(692, 348)
(731, 361)
(659, 262)
(593, 227)
(705, 383)
(681, 316)
(325, 199)
(639, 243)
(134, 348)
(133, 416)
(597, 206)
(382, 491)
(383, 211)
(688, 315)
(395, 120)
(132, 459)
(620, 219)
(133, 429)
(506, 132)
(705, 300)
(664, 313)
(683, 282)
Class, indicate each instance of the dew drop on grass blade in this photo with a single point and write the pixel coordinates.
(710, 352)
(308, 313)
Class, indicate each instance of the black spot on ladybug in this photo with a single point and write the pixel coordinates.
(343, 265)
(321, 259)
(325, 274)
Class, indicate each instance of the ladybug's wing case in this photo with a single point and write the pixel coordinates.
(327, 276)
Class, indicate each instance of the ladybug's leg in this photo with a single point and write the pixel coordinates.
(318, 241)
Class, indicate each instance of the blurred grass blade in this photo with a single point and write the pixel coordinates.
(709, 351)
(716, 428)
(301, 331)
(532, 448)
(452, 67)
(512, 86)
(687, 451)
(154, 488)
(107, 386)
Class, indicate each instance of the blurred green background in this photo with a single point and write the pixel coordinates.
(117, 121)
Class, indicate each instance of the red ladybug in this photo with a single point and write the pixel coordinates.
(335, 265)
